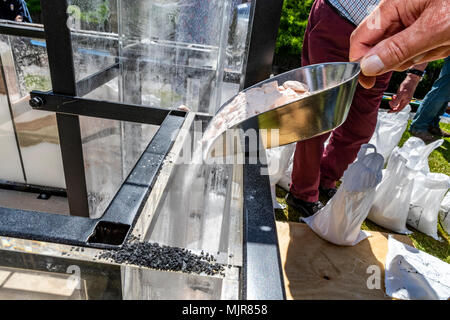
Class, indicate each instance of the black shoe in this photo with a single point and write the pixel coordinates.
(305, 208)
(426, 136)
(327, 194)
(437, 131)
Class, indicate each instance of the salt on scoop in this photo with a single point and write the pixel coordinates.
(252, 102)
(297, 86)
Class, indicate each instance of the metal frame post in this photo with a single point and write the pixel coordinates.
(262, 278)
(59, 50)
(266, 20)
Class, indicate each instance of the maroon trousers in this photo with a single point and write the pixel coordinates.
(327, 39)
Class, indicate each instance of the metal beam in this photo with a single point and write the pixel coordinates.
(68, 105)
(21, 30)
(122, 211)
(262, 276)
(59, 50)
(25, 187)
(266, 20)
(92, 82)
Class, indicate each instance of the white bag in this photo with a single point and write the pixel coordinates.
(427, 194)
(286, 178)
(417, 153)
(412, 274)
(389, 131)
(444, 213)
(393, 195)
(340, 220)
(277, 164)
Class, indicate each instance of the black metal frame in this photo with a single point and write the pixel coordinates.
(259, 217)
(127, 204)
(26, 187)
(62, 72)
(122, 212)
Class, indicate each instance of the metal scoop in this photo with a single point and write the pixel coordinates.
(332, 87)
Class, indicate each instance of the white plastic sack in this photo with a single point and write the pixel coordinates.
(340, 220)
(286, 179)
(444, 213)
(393, 195)
(389, 131)
(416, 152)
(412, 274)
(277, 164)
(427, 194)
(278, 161)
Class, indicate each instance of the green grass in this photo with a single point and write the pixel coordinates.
(439, 162)
(37, 82)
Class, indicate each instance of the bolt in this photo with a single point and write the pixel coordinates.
(36, 102)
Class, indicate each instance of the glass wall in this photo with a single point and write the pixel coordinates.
(10, 163)
(166, 53)
(25, 68)
(170, 52)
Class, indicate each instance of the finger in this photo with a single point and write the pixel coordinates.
(373, 29)
(394, 102)
(397, 50)
(399, 108)
(405, 66)
(435, 54)
(367, 82)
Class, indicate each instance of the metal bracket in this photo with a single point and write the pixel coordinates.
(49, 101)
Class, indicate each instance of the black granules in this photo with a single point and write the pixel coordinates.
(155, 256)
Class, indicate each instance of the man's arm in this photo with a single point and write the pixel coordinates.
(406, 90)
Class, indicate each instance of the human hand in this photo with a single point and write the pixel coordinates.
(404, 94)
(405, 33)
(19, 18)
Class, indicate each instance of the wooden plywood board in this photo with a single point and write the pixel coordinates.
(316, 269)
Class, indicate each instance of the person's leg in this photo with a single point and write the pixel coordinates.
(433, 105)
(306, 164)
(358, 128)
(327, 39)
(306, 168)
(437, 118)
(445, 74)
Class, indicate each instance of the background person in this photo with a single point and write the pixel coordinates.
(15, 10)
(425, 124)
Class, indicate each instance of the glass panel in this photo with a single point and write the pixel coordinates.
(26, 69)
(170, 53)
(236, 49)
(18, 284)
(111, 149)
(178, 50)
(201, 205)
(94, 35)
(145, 284)
(51, 274)
(11, 167)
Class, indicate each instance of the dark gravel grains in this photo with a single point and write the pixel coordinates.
(155, 256)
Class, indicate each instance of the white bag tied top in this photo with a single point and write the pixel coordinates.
(339, 222)
(366, 172)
